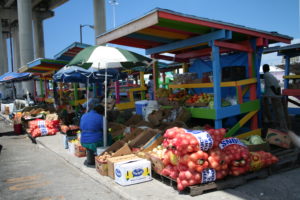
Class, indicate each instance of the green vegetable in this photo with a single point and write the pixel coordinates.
(256, 139)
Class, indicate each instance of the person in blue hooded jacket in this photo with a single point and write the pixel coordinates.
(91, 126)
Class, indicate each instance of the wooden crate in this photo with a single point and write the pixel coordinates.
(288, 159)
(228, 182)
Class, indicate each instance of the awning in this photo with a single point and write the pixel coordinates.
(42, 65)
(70, 52)
(185, 36)
(14, 76)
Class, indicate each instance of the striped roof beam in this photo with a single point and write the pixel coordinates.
(169, 58)
(199, 53)
(216, 35)
(234, 46)
(144, 44)
(211, 24)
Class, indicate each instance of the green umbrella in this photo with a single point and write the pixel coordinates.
(103, 57)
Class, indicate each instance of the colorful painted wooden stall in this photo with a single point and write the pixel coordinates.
(292, 74)
(188, 37)
(43, 69)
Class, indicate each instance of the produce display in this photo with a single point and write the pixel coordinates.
(40, 127)
(185, 77)
(103, 158)
(202, 99)
(239, 156)
(66, 128)
(198, 156)
(178, 96)
(261, 159)
(253, 140)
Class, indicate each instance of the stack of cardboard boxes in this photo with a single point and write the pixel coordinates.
(123, 165)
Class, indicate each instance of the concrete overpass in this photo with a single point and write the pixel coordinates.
(22, 22)
(16, 17)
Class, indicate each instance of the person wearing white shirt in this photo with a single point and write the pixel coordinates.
(272, 87)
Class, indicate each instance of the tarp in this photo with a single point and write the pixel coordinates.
(14, 76)
(200, 66)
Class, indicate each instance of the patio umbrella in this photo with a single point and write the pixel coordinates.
(103, 57)
(72, 74)
(11, 77)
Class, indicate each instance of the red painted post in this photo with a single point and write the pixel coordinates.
(240, 94)
(117, 91)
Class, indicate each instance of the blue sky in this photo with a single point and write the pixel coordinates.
(62, 30)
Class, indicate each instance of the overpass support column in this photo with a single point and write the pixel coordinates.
(99, 17)
(16, 47)
(3, 52)
(39, 37)
(25, 31)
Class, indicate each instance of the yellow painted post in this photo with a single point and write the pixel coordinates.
(143, 93)
(185, 67)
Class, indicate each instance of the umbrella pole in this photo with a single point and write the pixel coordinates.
(105, 112)
(87, 95)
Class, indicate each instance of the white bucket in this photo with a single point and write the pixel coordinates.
(100, 150)
(152, 105)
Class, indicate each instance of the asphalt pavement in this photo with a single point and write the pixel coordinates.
(276, 187)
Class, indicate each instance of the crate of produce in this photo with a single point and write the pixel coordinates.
(101, 166)
(80, 151)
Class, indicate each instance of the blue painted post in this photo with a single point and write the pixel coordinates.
(95, 90)
(217, 82)
(287, 71)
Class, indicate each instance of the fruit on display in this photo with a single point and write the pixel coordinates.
(261, 159)
(203, 98)
(158, 151)
(178, 96)
(198, 157)
(196, 161)
(217, 159)
(103, 158)
(217, 135)
(239, 156)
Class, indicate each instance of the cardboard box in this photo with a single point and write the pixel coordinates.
(144, 137)
(113, 160)
(156, 164)
(133, 134)
(132, 171)
(153, 142)
(101, 167)
(119, 148)
(279, 138)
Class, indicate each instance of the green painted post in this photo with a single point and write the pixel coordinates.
(42, 88)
